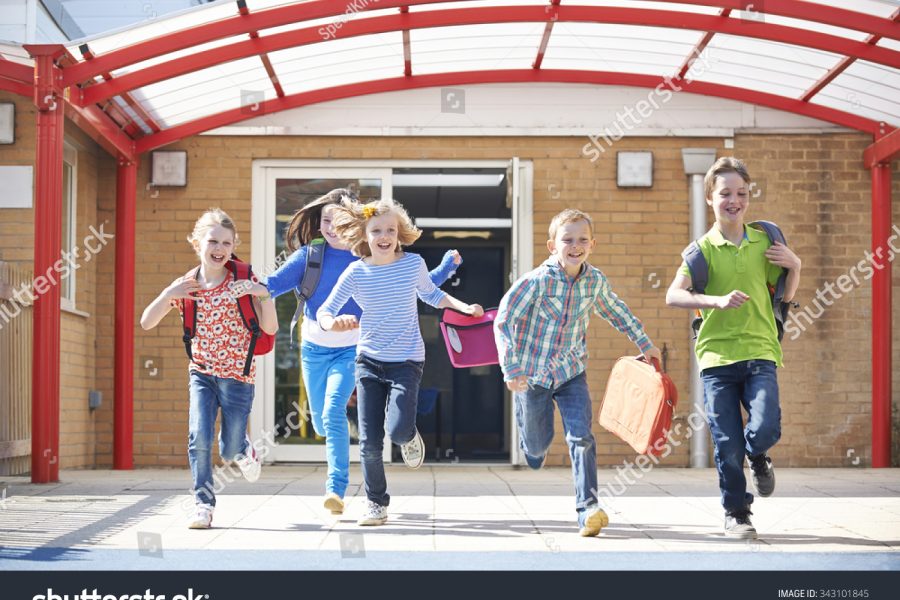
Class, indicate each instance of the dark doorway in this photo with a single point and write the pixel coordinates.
(463, 414)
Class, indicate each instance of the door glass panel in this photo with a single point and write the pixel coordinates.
(291, 402)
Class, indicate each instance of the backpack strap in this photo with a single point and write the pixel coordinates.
(779, 306)
(241, 271)
(315, 254)
(699, 268)
(189, 322)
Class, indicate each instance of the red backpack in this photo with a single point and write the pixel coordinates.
(260, 341)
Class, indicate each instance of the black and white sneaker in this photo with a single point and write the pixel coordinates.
(763, 474)
(413, 452)
(738, 525)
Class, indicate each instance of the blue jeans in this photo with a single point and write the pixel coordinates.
(328, 376)
(752, 384)
(384, 387)
(207, 395)
(534, 415)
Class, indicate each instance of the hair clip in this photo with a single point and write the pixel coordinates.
(369, 210)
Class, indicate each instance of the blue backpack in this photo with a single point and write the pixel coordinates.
(699, 268)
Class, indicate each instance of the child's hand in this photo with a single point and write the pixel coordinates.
(457, 257)
(344, 323)
(183, 287)
(652, 353)
(781, 255)
(475, 310)
(519, 384)
(245, 286)
(732, 300)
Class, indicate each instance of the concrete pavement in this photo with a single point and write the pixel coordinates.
(448, 517)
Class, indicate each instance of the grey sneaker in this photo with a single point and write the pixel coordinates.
(763, 474)
(375, 514)
(738, 525)
(203, 516)
(413, 452)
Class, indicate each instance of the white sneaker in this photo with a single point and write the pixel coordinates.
(249, 463)
(413, 452)
(202, 517)
(334, 503)
(375, 514)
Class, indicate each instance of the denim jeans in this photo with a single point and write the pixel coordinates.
(752, 384)
(328, 376)
(384, 387)
(534, 415)
(208, 394)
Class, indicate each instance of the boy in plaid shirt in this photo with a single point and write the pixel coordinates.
(540, 332)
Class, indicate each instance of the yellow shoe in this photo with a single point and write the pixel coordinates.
(594, 521)
(334, 503)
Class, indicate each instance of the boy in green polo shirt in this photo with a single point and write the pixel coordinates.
(737, 345)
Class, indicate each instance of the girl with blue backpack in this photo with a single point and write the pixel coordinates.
(327, 357)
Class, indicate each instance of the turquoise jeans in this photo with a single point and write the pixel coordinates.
(329, 376)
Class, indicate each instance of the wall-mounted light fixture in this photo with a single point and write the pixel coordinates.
(634, 169)
(168, 168)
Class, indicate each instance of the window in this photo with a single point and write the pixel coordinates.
(69, 188)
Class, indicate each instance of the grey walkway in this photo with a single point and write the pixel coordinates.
(448, 518)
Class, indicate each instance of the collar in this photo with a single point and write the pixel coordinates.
(751, 234)
(557, 271)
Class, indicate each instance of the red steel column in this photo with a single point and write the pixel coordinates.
(881, 316)
(47, 250)
(123, 413)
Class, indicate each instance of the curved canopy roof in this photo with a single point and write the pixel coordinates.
(834, 60)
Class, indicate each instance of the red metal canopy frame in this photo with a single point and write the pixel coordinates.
(86, 90)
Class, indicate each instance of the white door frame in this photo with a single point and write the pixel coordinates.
(262, 254)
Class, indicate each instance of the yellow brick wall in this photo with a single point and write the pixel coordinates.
(638, 232)
(77, 329)
(814, 186)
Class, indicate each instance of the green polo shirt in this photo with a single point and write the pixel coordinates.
(745, 333)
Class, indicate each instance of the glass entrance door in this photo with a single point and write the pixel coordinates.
(285, 416)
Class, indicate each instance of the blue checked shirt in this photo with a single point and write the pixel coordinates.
(542, 320)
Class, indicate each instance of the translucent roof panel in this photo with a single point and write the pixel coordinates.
(15, 53)
(339, 62)
(180, 53)
(475, 47)
(192, 17)
(741, 63)
(865, 89)
(223, 87)
(763, 66)
(620, 48)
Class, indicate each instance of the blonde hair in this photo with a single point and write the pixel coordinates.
(349, 221)
(210, 219)
(570, 215)
(726, 164)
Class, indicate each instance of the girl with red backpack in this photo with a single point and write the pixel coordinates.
(228, 317)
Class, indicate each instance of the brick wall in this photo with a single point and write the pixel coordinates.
(825, 384)
(78, 365)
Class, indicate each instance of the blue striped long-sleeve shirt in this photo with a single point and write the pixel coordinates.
(542, 321)
(389, 326)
